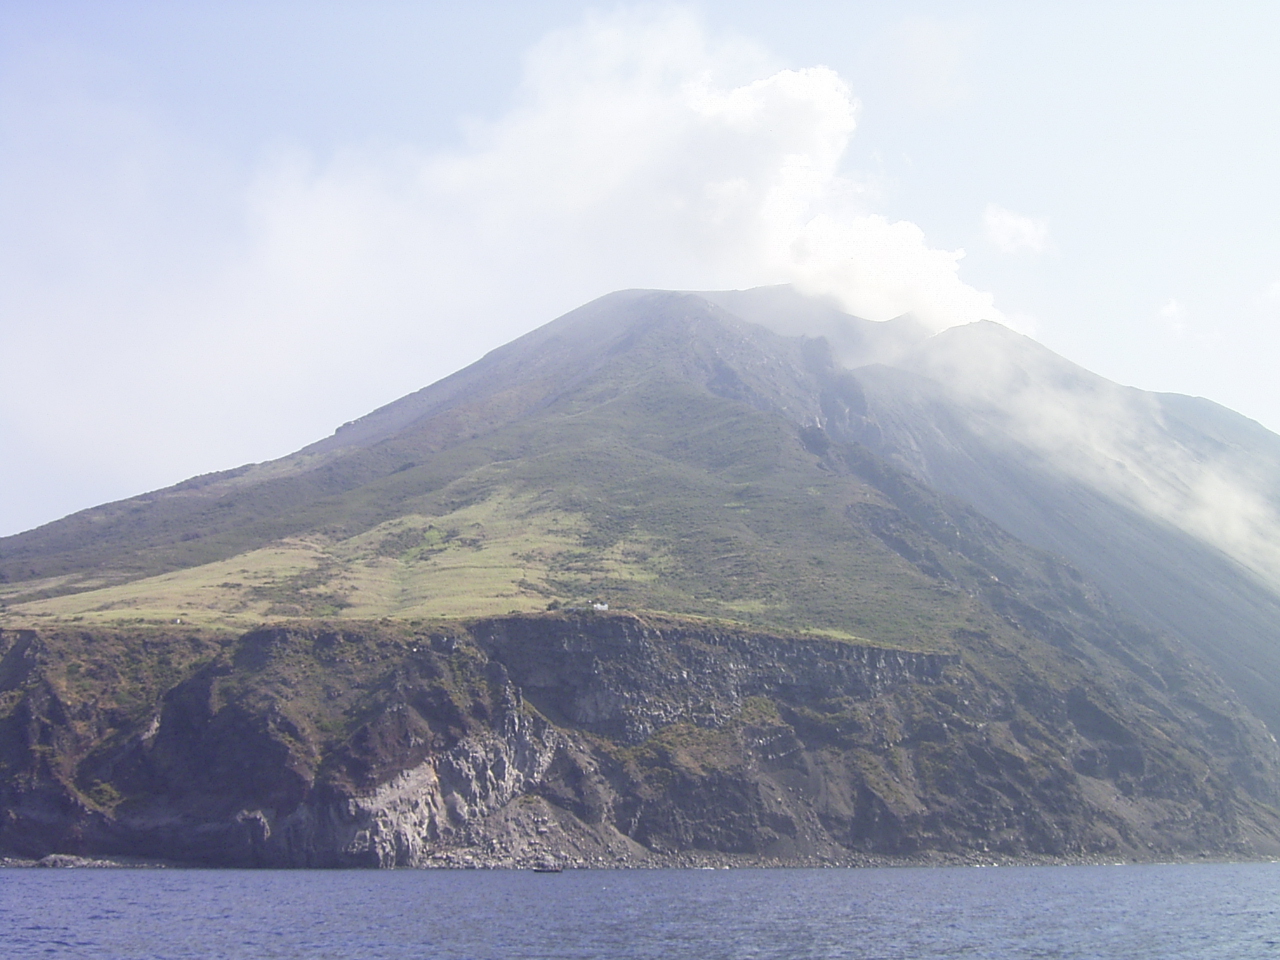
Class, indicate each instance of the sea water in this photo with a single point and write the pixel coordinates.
(1226, 911)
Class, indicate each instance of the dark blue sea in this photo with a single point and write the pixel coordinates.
(1221, 911)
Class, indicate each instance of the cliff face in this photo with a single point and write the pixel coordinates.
(604, 739)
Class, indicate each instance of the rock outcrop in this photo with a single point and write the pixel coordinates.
(610, 739)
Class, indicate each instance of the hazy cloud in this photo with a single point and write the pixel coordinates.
(165, 316)
(1013, 233)
(1113, 438)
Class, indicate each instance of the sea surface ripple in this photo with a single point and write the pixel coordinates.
(1227, 911)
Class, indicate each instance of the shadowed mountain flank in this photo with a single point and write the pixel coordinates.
(1169, 502)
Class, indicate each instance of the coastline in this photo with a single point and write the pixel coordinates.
(462, 861)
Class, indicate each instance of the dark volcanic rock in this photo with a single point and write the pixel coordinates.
(603, 739)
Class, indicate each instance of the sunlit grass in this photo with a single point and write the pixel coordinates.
(492, 557)
(651, 496)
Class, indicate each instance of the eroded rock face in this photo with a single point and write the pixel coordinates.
(624, 677)
(404, 821)
(605, 739)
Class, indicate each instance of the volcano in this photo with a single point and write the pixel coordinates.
(676, 576)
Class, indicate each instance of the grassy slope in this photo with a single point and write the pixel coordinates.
(669, 476)
(218, 516)
(662, 498)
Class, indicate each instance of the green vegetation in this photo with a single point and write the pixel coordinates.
(662, 498)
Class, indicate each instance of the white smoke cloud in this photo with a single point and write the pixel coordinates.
(1013, 233)
(637, 152)
(877, 269)
(639, 155)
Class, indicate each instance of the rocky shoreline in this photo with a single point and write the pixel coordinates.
(66, 861)
(696, 860)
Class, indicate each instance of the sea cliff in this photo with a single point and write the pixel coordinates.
(600, 739)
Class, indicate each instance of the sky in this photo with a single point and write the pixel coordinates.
(227, 228)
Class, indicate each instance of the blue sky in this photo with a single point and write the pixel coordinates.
(227, 228)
